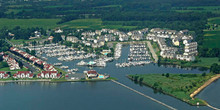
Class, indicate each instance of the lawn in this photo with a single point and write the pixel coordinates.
(7, 69)
(176, 85)
(28, 23)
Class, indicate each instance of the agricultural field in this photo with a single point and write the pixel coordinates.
(212, 35)
(51, 24)
(214, 9)
(92, 24)
(28, 23)
(212, 39)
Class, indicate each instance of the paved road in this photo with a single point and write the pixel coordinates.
(25, 63)
(152, 51)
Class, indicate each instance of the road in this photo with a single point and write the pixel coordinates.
(152, 51)
(25, 63)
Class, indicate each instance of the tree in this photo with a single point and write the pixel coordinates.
(204, 74)
(167, 75)
(33, 52)
(1, 59)
(20, 64)
(215, 68)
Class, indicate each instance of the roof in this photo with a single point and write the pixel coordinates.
(92, 72)
(2, 71)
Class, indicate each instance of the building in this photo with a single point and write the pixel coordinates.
(49, 75)
(23, 74)
(91, 74)
(3, 75)
(72, 39)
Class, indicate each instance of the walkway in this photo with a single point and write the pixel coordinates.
(144, 95)
(152, 51)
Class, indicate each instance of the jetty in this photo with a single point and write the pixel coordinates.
(155, 100)
(192, 95)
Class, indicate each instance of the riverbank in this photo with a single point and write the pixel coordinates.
(179, 86)
(56, 80)
(207, 83)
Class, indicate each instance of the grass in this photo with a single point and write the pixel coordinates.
(212, 39)
(214, 9)
(28, 23)
(92, 24)
(15, 11)
(176, 85)
(51, 24)
(8, 69)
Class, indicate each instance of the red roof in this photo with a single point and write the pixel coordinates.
(6, 75)
(92, 72)
(2, 71)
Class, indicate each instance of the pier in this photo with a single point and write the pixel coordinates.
(155, 100)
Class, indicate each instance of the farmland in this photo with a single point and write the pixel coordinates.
(212, 35)
(28, 23)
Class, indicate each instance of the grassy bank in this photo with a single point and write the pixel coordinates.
(179, 86)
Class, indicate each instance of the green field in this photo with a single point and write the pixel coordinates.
(212, 39)
(51, 24)
(28, 23)
(176, 85)
(7, 69)
(214, 9)
(92, 24)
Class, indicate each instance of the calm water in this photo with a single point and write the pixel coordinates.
(98, 95)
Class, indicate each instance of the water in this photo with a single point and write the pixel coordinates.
(98, 95)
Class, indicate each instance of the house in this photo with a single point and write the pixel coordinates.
(91, 74)
(72, 39)
(58, 31)
(23, 74)
(49, 75)
(3, 75)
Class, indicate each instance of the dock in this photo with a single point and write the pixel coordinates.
(155, 100)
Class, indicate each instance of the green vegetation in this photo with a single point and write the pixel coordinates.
(214, 9)
(8, 69)
(200, 62)
(211, 35)
(29, 23)
(91, 24)
(176, 85)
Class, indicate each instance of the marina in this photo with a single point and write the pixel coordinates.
(112, 91)
(138, 55)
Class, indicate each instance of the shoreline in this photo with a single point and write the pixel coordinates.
(206, 84)
(56, 81)
(205, 103)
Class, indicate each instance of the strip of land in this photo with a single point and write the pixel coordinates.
(180, 86)
(204, 85)
(154, 55)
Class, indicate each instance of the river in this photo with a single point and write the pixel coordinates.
(99, 95)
